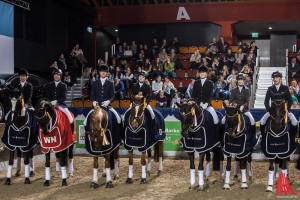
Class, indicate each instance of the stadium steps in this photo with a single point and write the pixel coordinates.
(76, 90)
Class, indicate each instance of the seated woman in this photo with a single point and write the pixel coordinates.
(168, 87)
(128, 78)
(119, 89)
(128, 52)
(176, 99)
(195, 60)
(220, 89)
(247, 70)
(231, 80)
(119, 53)
(161, 100)
(169, 67)
(157, 85)
(189, 89)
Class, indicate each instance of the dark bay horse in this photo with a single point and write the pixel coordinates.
(55, 135)
(278, 140)
(199, 134)
(238, 140)
(103, 137)
(140, 133)
(20, 133)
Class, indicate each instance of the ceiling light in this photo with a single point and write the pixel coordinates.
(116, 30)
(270, 28)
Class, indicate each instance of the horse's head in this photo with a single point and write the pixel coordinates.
(233, 118)
(98, 122)
(44, 115)
(190, 113)
(16, 98)
(278, 113)
(137, 111)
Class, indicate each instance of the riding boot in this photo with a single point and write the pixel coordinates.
(262, 129)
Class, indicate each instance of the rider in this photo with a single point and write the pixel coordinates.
(277, 91)
(241, 96)
(143, 89)
(103, 91)
(202, 92)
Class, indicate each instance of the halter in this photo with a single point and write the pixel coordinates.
(144, 104)
(193, 113)
(239, 120)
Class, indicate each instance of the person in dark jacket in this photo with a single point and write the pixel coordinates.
(203, 91)
(277, 91)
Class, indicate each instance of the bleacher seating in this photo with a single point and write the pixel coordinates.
(191, 72)
(180, 73)
(176, 82)
(185, 82)
(124, 103)
(77, 103)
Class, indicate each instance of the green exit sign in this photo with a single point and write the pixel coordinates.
(254, 35)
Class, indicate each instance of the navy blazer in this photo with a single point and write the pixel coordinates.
(58, 92)
(241, 98)
(282, 93)
(101, 92)
(203, 93)
(26, 90)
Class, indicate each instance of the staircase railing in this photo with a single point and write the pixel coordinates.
(254, 78)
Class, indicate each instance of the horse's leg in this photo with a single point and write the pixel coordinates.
(149, 151)
(284, 167)
(192, 171)
(143, 163)
(47, 170)
(9, 168)
(249, 166)
(63, 162)
(70, 160)
(236, 168)
(243, 164)
(27, 168)
(94, 183)
(57, 165)
(207, 167)
(19, 156)
(107, 170)
(160, 156)
(201, 172)
(130, 168)
(227, 175)
(31, 163)
(276, 171)
(103, 168)
(271, 176)
(116, 163)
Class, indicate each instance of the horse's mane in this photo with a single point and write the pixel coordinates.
(95, 120)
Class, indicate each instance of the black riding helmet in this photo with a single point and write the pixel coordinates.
(240, 76)
(203, 69)
(23, 71)
(276, 74)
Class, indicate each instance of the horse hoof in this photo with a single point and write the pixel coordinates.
(32, 174)
(27, 181)
(104, 175)
(269, 189)
(129, 181)
(64, 182)
(46, 183)
(206, 179)
(94, 185)
(200, 188)
(235, 177)
(159, 173)
(7, 182)
(116, 177)
(18, 173)
(193, 187)
(250, 179)
(109, 185)
(143, 180)
(226, 186)
(244, 186)
(148, 173)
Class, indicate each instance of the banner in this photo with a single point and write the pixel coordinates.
(6, 38)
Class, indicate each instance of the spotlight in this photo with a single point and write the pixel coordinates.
(116, 30)
(270, 28)
(89, 29)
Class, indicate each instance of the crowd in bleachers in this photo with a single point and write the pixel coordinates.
(294, 78)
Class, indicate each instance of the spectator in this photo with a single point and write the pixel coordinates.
(293, 67)
(239, 55)
(295, 104)
(168, 87)
(67, 80)
(176, 99)
(250, 63)
(222, 45)
(147, 66)
(244, 48)
(220, 89)
(120, 52)
(204, 63)
(253, 47)
(157, 85)
(246, 70)
(128, 53)
(251, 55)
(189, 89)
(248, 81)
(155, 48)
(295, 87)
(213, 44)
(118, 74)
(231, 79)
(94, 75)
(157, 69)
(216, 66)
(238, 66)
(163, 56)
(163, 45)
(211, 75)
(52, 67)
(147, 52)
(169, 68)
(134, 48)
(119, 89)
(174, 45)
(225, 72)
(195, 60)
(128, 78)
(161, 100)
(229, 58)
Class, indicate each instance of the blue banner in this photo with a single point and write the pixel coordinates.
(6, 19)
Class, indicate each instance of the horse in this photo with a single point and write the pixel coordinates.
(56, 135)
(141, 133)
(20, 133)
(103, 137)
(199, 134)
(238, 140)
(278, 140)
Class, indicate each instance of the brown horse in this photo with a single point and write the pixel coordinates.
(99, 141)
(141, 134)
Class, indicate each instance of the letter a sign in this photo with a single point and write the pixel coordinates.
(182, 14)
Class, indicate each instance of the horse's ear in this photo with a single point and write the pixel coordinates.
(225, 104)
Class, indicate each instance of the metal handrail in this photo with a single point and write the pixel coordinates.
(254, 78)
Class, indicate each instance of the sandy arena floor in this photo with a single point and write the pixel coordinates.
(172, 184)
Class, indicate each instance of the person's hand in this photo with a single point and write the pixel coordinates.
(53, 103)
(95, 103)
(242, 108)
(204, 106)
(105, 103)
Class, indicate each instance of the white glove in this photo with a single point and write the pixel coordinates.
(105, 103)
(31, 109)
(204, 106)
(54, 102)
(95, 103)
(242, 108)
